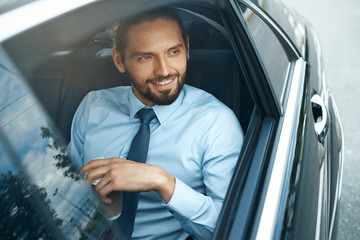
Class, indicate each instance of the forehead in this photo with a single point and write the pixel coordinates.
(154, 34)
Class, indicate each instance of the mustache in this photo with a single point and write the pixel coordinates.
(161, 78)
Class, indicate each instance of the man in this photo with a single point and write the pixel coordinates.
(194, 144)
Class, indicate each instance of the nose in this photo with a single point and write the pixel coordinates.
(161, 67)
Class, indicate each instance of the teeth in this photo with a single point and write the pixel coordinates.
(164, 82)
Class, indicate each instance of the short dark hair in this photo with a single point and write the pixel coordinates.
(121, 28)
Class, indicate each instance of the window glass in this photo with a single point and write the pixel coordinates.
(42, 195)
(283, 16)
(269, 50)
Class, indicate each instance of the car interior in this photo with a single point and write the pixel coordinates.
(66, 76)
(61, 72)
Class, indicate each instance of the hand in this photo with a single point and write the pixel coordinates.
(128, 176)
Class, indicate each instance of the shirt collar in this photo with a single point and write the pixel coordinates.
(162, 112)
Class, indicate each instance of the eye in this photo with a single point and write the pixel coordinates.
(174, 52)
(144, 58)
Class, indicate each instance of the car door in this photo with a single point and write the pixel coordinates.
(281, 177)
(286, 195)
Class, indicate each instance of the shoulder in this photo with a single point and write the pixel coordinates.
(115, 95)
(105, 100)
(215, 124)
(100, 101)
(203, 102)
(207, 111)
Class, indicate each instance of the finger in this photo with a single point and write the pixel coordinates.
(103, 182)
(105, 198)
(97, 173)
(94, 164)
(104, 191)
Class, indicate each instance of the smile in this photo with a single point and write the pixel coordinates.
(164, 82)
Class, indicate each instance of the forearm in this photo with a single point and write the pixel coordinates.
(164, 184)
(196, 212)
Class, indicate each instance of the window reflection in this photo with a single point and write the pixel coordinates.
(21, 203)
(269, 49)
(62, 159)
(42, 195)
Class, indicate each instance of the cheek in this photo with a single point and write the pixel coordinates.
(140, 72)
(182, 69)
(179, 65)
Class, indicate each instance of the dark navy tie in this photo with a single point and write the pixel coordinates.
(140, 144)
(138, 152)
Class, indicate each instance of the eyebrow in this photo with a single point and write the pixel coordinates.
(180, 45)
(140, 53)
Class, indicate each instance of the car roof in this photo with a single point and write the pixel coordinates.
(31, 13)
(8, 5)
(68, 23)
(25, 14)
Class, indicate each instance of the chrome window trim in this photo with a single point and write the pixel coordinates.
(320, 200)
(26, 17)
(284, 151)
(242, 16)
(341, 166)
(289, 47)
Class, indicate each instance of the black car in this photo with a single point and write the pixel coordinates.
(258, 57)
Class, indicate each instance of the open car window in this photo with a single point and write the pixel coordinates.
(256, 57)
(65, 75)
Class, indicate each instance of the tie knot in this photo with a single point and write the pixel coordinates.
(146, 115)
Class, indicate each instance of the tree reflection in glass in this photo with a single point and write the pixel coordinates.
(20, 204)
(62, 159)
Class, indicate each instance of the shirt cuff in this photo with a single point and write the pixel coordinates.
(185, 201)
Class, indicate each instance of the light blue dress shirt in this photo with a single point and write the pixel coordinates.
(197, 139)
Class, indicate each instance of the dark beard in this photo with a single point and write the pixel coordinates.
(165, 97)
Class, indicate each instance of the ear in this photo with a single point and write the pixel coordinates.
(117, 60)
(188, 47)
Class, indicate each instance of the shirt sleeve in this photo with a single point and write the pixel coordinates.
(197, 212)
(76, 145)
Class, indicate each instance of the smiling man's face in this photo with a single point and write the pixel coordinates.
(155, 60)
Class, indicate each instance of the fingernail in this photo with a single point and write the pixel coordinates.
(96, 181)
